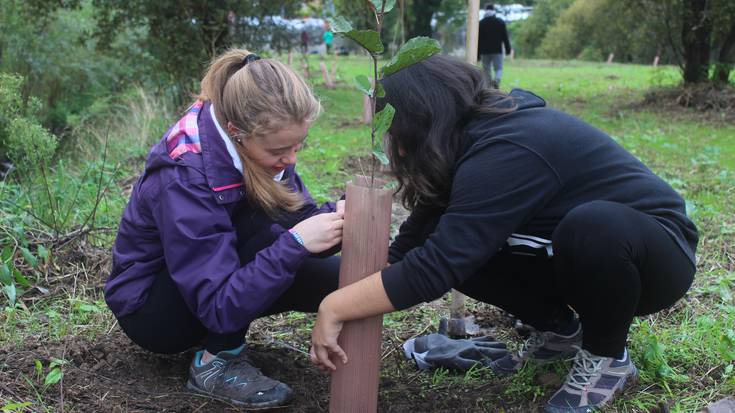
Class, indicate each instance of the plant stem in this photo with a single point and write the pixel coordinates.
(373, 163)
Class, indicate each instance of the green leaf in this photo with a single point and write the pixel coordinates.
(56, 363)
(15, 407)
(39, 368)
(382, 121)
(381, 91)
(381, 156)
(368, 39)
(11, 293)
(6, 254)
(414, 51)
(363, 84)
(28, 257)
(6, 277)
(389, 4)
(20, 278)
(43, 253)
(339, 24)
(20, 233)
(54, 376)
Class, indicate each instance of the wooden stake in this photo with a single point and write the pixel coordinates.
(610, 58)
(473, 27)
(512, 54)
(367, 110)
(457, 309)
(325, 75)
(290, 57)
(365, 240)
(655, 61)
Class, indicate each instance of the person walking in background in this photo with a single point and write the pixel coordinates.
(220, 229)
(304, 41)
(492, 36)
(328, 38)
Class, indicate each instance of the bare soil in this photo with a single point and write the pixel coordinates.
(111, 374)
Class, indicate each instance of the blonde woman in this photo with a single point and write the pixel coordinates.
(220, 229)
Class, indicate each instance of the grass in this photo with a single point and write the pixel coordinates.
(686, 354)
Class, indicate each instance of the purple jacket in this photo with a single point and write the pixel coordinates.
(179, 219)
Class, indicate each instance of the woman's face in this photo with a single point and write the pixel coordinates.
(276, 151)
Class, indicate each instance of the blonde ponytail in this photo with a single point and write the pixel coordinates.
(259, 98)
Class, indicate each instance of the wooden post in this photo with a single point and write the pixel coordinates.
(610, 58)
(367, 111)
(325, 74)
(473, 27)
(290, 57)
(457, 310)
(512, 54)
(365, 240)
(655, 61)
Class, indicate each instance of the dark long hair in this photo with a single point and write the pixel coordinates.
(434, 101)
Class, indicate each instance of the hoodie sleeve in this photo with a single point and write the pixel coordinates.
(199, 242)
(494, 191)
(506, 39)
(414, 231)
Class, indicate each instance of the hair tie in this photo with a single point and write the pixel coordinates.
(250, 58)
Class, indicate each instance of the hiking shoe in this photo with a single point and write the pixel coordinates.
(541, 347)
(231, 377)
(592, 382)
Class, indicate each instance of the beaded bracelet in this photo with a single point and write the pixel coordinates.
(297, 237)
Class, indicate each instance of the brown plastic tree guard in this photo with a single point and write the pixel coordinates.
(365, 241)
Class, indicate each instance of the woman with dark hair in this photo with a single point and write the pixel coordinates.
(528, 209)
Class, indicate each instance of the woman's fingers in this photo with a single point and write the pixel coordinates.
(322, 356)
(337, 350)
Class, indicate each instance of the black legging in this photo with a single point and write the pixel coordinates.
(610, 264)
(164, 324)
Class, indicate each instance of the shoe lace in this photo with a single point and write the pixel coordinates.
(584, 368)
(534, 342)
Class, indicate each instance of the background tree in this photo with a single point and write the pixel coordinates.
(528, 34)
(185, 34)
(700, 33)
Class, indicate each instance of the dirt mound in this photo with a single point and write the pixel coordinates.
(711, 100)
(114, 375)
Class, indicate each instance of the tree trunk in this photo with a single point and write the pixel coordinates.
(725, 59)
(695, 37)
(423, 11)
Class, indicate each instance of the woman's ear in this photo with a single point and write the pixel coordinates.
(234, 133)
(231, 129)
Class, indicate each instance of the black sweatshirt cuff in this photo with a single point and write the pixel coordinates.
(396, 287)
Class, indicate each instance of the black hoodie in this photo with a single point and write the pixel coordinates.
(523, 172)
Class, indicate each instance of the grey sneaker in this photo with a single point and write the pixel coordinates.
(592, 382)
(541, 347)
(231, 377)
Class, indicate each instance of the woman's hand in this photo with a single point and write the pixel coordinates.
(321, 232)
(324, 340)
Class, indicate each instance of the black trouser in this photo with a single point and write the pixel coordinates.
(164, 324)
(610, 263)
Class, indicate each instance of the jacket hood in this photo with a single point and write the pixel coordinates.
(524, 99)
